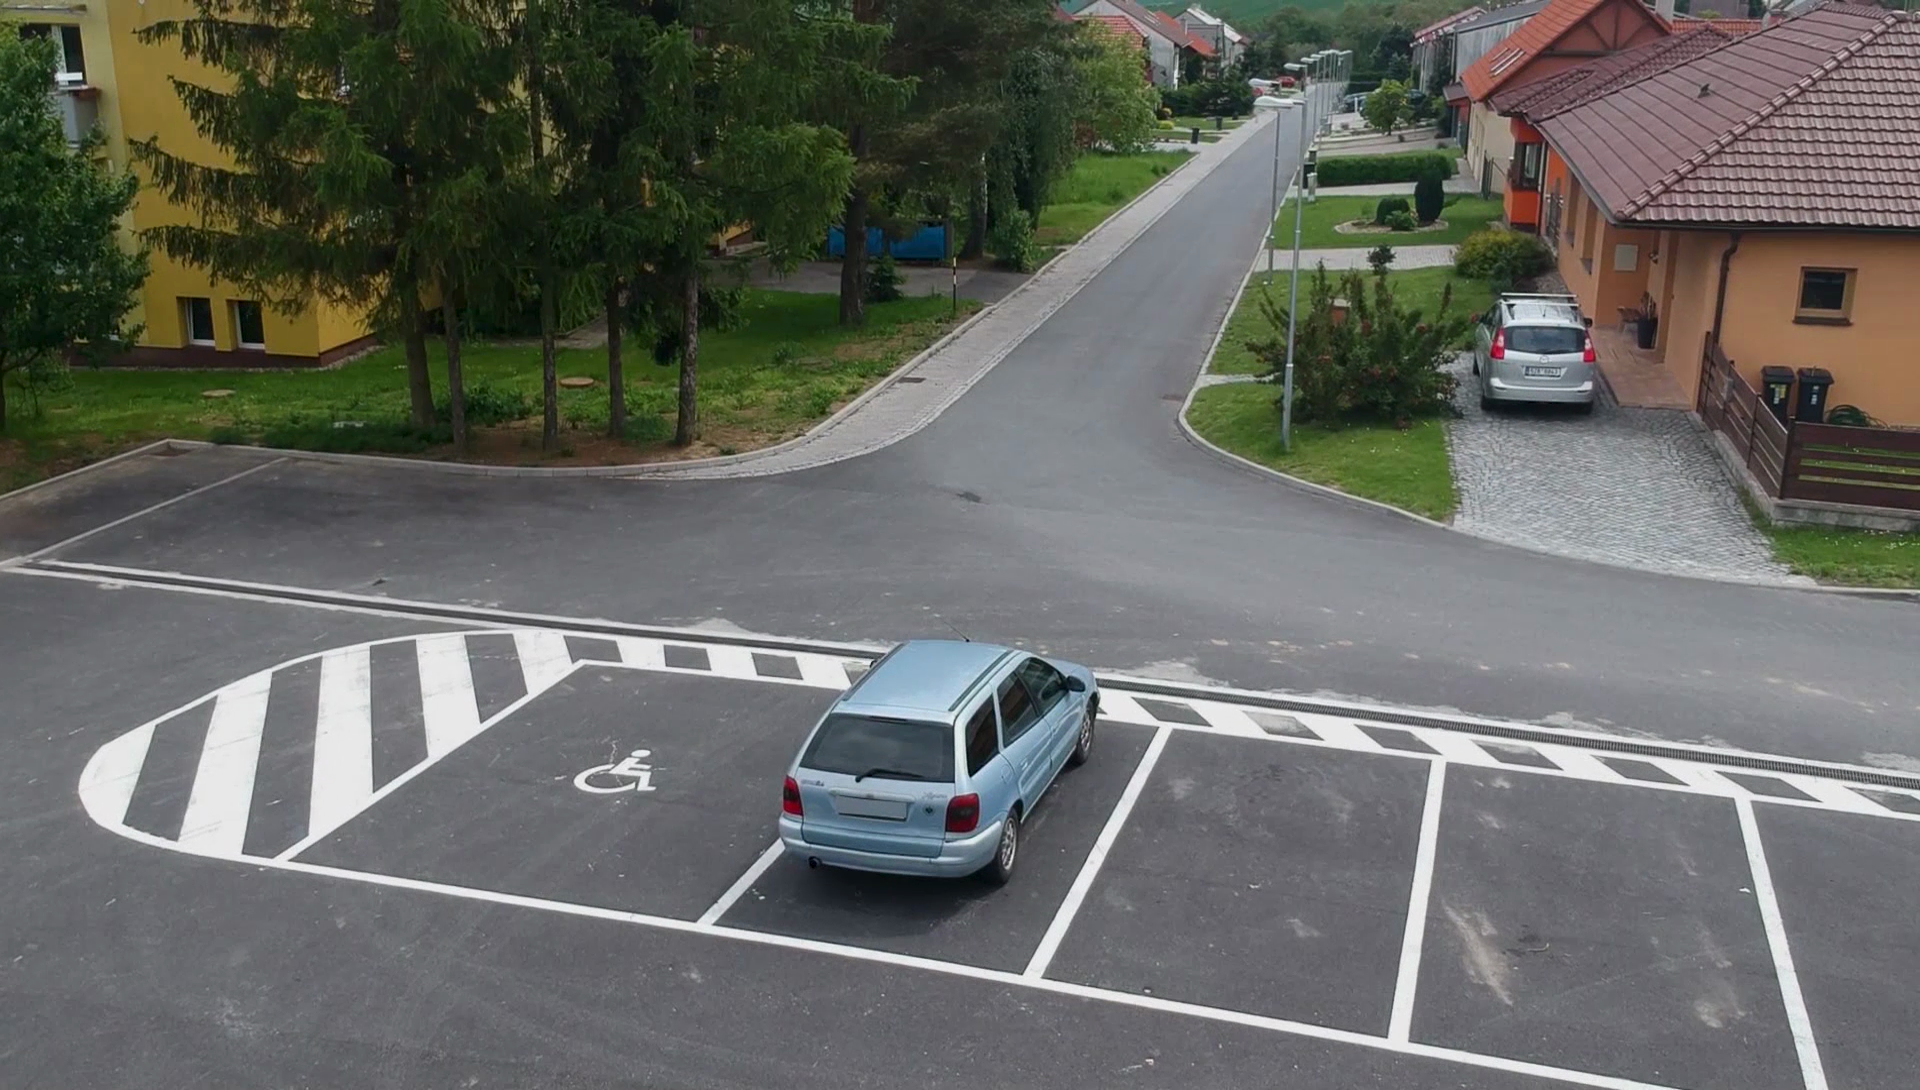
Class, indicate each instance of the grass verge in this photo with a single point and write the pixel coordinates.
(1408, 469)
(1098, 186)
(1847, 557)
(1463, 216)
(1418, 288)
(784, 368)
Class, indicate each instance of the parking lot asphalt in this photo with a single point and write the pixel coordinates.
(1229, 890)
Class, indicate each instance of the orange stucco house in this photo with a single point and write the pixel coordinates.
(1565, 34)
(1761, 193)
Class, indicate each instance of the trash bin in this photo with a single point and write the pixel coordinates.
(1776, 387)
(1196, 135)
(1219, 124)
(1812, 405)
(1646, 331)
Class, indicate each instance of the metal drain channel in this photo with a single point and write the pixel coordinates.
(1359, 713)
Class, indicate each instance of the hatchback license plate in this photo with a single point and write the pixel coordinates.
(1543, 372)
(862, 806)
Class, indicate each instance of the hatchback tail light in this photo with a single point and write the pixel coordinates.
(1586, 354)
(1499, 349)
(790, 798)
(963, 813)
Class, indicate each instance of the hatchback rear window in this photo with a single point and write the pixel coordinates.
(894, 749)
(1545, 340)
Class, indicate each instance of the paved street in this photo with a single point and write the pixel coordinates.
(311, 766)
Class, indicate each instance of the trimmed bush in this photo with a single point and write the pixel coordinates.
(1011, 242)
(1401, 220)
(1406, 166)
(1503, 257)
(1387, 207)
(1429, 198)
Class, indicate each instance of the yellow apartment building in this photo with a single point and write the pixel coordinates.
(110, 79)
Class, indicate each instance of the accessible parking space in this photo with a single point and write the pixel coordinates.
(632, 790)
(956, 920)
(1258, 877)
(1600, 928)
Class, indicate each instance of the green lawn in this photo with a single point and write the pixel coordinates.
(1206, 123)
(1097, 186)
(786, 366)
(1861, 558)
(1463, 216)
(1408, 469)
(1421, 288)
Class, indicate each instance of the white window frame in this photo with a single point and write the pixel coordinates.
(186, 321)
(239, 327)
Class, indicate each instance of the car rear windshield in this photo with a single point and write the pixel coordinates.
(1545, 340)
(894, 749)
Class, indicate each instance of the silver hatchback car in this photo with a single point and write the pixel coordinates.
(931, 762)
(1535, 348)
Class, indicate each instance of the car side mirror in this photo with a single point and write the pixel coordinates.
(1588, 322)
(1075, 685)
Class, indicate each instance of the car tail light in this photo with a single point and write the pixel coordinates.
(1586, 354)
(1499, 349)
(790, 798)
(963, 813)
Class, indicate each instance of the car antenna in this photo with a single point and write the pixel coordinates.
(964, 638)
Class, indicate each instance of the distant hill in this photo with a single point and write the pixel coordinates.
(1244, 14)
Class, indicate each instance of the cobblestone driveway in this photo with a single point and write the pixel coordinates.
(1636, 487)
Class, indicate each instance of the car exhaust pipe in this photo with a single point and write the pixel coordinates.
(813, 862)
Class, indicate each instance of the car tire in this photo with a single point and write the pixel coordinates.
(1584, 408)
(1476, 365)
(1486, 404)
(1083, 745)
(1006, 854)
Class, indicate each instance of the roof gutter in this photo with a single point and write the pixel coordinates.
(1720, 297)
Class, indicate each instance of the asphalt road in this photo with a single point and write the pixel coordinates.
(482, 922)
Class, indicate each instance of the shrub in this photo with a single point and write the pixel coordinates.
(1408, 166)
(1380, 259)
(883, 279)
(1166, 124)
(1429, 199)
(1383, 362)
(486, 406)
(355, 437)
(1011, 242)
(1401, 220)
(1387, 207)
(1502, 257)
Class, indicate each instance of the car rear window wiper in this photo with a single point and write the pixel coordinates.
(890, 773)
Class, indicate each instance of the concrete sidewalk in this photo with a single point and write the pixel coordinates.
(1355, 257)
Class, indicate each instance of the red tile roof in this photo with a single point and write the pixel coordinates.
(1060, 15)
(1562, 91)
(1732, 28)
(1117, 25)
(1507, 58)
(1813, 122)
(1182, 36)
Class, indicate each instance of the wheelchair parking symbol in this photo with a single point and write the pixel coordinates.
(633, 772)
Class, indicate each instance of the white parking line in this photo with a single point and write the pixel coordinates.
(1063, 919)
(145, 511)
(1811, 1070)
(740, 887)
(1400, 1027)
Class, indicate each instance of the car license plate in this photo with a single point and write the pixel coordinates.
(1543, 372)
(867, 806)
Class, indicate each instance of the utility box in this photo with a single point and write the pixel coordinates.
(1811, 407)
(1776, 389)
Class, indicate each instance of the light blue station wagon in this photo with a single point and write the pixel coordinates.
(931, 761)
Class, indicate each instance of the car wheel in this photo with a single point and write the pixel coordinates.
(1006, 854)
(1476, 365)
(1083, 745)
(1486, 404)
(1584, 408)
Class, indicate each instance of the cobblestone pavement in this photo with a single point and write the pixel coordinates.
(897, 409)
(1404, 257)
(1635, 487)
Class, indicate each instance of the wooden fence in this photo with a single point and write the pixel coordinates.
(1798, 461)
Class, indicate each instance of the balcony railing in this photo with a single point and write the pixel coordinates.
(79, 110)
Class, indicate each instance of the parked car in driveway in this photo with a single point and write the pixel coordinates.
(932, 761)
(1535, 348)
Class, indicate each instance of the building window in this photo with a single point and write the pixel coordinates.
(1593, 229)
(1826, 295)
(198, 314)
(251, 330)
(72, 60)
(1529, 165)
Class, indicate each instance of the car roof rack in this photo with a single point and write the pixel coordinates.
(1558, 297)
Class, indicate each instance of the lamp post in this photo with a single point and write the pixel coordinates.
(1293, 289)
(1276, 106)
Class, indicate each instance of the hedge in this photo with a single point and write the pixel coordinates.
(1406, 166)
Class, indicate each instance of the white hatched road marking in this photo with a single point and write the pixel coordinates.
(543, 658)
(216, 821)
(446, 693)
(342, 738)
(106, 787)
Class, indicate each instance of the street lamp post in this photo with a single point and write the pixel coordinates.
(1293, 289)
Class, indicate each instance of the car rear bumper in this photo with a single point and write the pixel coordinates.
(1501, 390)
(956, 858)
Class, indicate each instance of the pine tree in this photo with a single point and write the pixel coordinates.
(66, 283)
(340, 124)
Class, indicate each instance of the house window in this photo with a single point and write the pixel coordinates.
(246, 322)
(198, 314)
(1529, 164)
(1826, 295)
(72, 60)
(1593, 228)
